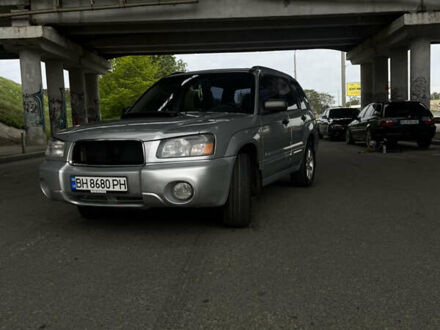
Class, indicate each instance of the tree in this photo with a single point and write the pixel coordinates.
(435, 96)
(354, 100)
(319, 101)
(130, 78)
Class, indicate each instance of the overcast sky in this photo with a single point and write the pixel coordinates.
(316, 69)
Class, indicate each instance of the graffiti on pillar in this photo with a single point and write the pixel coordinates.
(93, 113)
(57, 112)
(78, 109)
(33, 109)
(419, 91)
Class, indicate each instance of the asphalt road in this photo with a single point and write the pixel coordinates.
(360, 249)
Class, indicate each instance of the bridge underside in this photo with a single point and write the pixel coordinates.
(81, 35)
(179, 37)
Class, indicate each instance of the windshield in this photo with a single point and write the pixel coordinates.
(214, 92)
(405, 109)
(343, 113)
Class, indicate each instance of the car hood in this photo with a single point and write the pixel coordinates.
(147, 129)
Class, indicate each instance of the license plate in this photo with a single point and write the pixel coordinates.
(98, 184)
(409, 122)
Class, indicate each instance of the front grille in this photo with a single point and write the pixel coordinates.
(108, 153)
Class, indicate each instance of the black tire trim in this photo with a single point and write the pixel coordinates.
(237, 210)
(299, 178)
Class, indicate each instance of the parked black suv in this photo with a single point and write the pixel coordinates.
(333, 122)
(393, 121)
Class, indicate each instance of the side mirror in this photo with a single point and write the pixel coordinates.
(275, 106)
(324, 117)
(376, 114)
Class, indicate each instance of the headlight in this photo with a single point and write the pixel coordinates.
(55, 149)
(187, 146)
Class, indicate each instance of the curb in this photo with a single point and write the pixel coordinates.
(17, 157)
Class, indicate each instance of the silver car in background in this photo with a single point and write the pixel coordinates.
(194, 139)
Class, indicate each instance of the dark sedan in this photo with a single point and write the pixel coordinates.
(333, 122)
(391, 122)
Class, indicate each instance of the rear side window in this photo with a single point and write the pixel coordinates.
(406, 109)
(343, 113)
(276, 88)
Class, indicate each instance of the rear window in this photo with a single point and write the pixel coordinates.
(406, 109)
(343, 113)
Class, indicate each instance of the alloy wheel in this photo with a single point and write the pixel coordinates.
(310, 164)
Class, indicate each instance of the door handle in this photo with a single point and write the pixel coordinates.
(285, 122)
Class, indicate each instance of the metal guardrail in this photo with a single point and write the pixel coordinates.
(122, 4)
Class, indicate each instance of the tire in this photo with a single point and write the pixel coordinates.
(348, 137)
(305, 176)
(237, 210)
(424, 143)
(90, 212)
(368, 138)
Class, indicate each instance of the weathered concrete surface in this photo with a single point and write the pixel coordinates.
(30, 67)
(367, 77)
(399, 74)
(51, 45)
(398, 34)
(92, 95)
(78, 96)
(9, 135)
(56, 95)
(380, 79)
(359, 250)
(226, 25)
(420, 88)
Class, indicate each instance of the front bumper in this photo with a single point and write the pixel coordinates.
(148, 185)
(337, 130)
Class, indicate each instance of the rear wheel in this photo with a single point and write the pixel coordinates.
(90, 212)
(237, 210)
(306, 174)
(348, 137)
(368, 138)
(424, 143)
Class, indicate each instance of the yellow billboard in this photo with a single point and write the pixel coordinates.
(354, 89)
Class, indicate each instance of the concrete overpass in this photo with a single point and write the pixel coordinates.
(81, 35)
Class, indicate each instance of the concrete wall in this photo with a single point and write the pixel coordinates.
(227, 9)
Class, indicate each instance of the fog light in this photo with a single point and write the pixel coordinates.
(183, 191)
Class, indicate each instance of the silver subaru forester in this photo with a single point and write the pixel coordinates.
(195, 139)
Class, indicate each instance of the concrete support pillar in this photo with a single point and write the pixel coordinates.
(56, 95)
(399, 74)
(380, 82)
(366, 84)
(421, 71)
(77, 96)
(93, 109)
(31, 85)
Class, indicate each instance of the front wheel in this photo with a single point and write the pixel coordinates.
(349, 137)
(368, 138)
(237, 210)
(306, 174)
